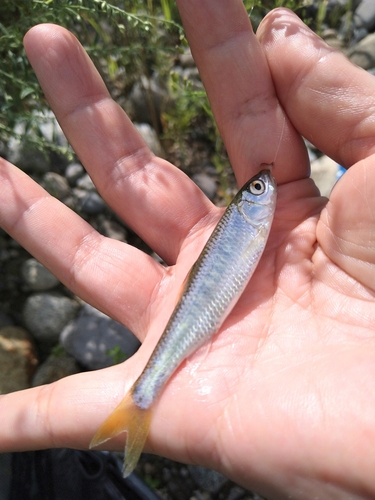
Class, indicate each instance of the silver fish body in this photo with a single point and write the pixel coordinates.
(215, 283)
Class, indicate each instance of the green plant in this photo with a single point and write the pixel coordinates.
(124, 43)
(117, 355)
(129, 41)
(153, 482)
(58, 351)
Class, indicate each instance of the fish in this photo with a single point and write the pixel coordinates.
(212, 288)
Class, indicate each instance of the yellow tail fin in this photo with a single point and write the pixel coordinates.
(127, 417)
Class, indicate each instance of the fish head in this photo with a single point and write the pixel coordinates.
(256, 201)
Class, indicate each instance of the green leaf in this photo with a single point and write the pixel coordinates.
(26, 92)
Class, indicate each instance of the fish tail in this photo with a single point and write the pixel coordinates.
(129, 418)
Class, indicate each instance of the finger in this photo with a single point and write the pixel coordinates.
(58, 414)
(112, 276)
(235, 73)
(151, 195)
(346, 227)
(330, 101)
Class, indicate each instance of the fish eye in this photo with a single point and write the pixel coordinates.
(257, 187)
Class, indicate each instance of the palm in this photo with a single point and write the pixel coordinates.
(274, 377)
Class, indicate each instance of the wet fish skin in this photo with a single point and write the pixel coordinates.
(214, 285)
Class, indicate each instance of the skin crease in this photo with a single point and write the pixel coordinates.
(283, 399)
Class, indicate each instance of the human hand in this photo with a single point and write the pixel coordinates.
(282, 402)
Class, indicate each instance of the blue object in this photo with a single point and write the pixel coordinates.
(340, 171)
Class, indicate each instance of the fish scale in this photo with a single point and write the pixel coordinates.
(213, 287)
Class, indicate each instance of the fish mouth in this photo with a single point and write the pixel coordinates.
(267, 166)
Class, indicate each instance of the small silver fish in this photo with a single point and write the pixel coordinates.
(213, 286)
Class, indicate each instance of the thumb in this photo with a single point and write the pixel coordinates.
(346, 229)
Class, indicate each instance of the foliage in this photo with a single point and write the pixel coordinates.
(58, 351)
(122, 43)
(129, 41)
(117, 355)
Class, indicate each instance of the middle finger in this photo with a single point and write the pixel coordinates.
(236, 75)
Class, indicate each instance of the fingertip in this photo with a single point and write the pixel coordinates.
(280, 14)
(281, 23)
(40, 31)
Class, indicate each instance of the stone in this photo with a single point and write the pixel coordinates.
(73, 172)
(5, 320)
(37, 277)
(46, 314)
(331, 37)
(150, 137)
(56, 185)
(54, 368)
(50, 128)
(24, 154)
(324, 174)
(236, 493)
(111, 228)
(187, 59)
(312, 155)
(207, 479)
(85, 182)
(364, 15)
(147, 97)
(18, 359)
(363, 53)
(91, 336)
(206, 183)
(88, 202)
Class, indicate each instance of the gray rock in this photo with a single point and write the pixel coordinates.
(147, 97)
(37, 277)
(358, 35)
(54, 368)
(312, 155)
(17, 359)
(93, 204)
(46, 314)
(332, 38)
(85, 182)
(363, 53)
(206, 183)
(186, 59)
(192, 74)
(56, 185)
(236, 493)
(208, 479)
(73, 172)
(88, 202)
(364, 15)
(50, 128)
(111, 229)
(5, 320)
(92, 334)
(25, 155)
(150, 137)
(324, 173)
